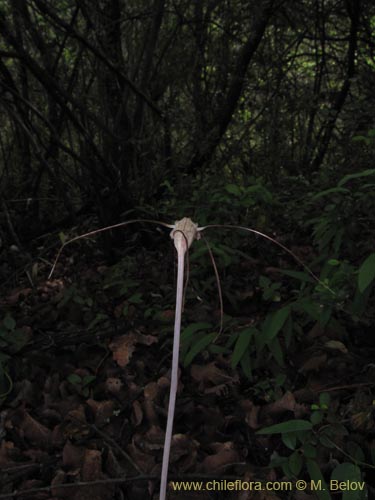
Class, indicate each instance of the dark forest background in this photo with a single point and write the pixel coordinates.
(257, 113)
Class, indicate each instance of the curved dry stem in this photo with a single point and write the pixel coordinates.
(101, 230)
(269, 238)
(218, 286)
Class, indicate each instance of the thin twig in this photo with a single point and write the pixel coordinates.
(273, 240)
(110, 441)
(97, 231)
(218, 287)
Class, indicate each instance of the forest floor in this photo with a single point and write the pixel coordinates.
(85, 363)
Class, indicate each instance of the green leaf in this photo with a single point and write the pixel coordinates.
(365, 173)
(286, 470)
(136, 298)
(87, 379)
(233, 189)
(309, 450)
(288, 426)
(316, 417)
(289, 439)
(9, 322)
(74, 379)
(355, 451)
(198, 347)
(366, 273)
(274, 325)
(242, 344)
(298, 275)
(275, 348)
(324, 399)
(62, 237)
(359, 138)
(277, 460)
(18, 339)
(193, 328)
(98, 318)
(334, 262)
(295, 463)
(350, 472)
(321, 488)
(330, 191)
(246, 365)
(309, 307)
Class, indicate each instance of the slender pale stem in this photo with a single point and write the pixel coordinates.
(174, 374)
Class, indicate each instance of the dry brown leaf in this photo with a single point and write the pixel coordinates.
(146, 339)
(145, 461)
(75, 425)
(36, 455)
(225, 455)
(137, 414)
(112, 466)
(285, 403)
(152, 391)
(316, 331)
(315, 363)
(124, 346)
(92, 465)
(5, 448)
(251, 413)
(57, 480)
(211, 374)
(336, 345)
(167, 315)
(92, 470)
(16, 295)
(34, 431)
(72, 456)
(103, 410)
(185, 451)
(153, 439)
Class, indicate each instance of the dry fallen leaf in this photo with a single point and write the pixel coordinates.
(225, 455)
(72, 455)
(184, 450)
(251, 413)
(137, 414)
(92, 470)
(145, 461)
(210, 374)
(285, 403)
(103, 410)
(57, 480)
(124, 346)
(5, 448)
(35, 432)
(336, 345)
(315, 363)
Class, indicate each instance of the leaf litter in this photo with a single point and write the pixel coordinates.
(90, 386)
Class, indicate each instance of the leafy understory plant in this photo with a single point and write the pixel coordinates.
(304, 438)
(183, 233)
